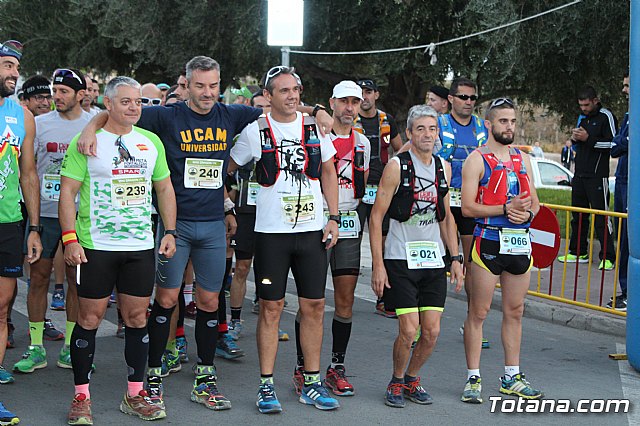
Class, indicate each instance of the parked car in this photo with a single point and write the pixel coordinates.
(550, 174)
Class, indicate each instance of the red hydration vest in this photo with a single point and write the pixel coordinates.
(494, 193)
(357, 167)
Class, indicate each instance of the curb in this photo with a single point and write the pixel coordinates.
(561, 314)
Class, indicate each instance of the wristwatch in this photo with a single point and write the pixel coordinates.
(171, 232)
(458, 258)
(317, 108)
(335, 218)
(36, 228)
(531, 216)
(231, 211)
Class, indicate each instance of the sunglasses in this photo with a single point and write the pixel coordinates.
(467, 97)
(122, 150)
(61, 73)
(13, 46)
(151, 101)
(276, 71)
(501, 101)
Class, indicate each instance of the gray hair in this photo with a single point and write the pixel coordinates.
(112, 86)
(419, 111)
(201, 63)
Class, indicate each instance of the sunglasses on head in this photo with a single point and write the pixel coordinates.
(467, 97)
(151, 101)
(122, 150)
(276, 71)
(65, 72)
(501, 101)
(12, 46)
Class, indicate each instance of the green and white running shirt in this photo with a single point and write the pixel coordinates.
(115, 195)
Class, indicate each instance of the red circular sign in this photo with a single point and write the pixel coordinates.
(545, 238)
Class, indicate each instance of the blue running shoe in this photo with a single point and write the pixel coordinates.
(317, 395)
(519, 386)
(57, 300)
(227, 348)
(394, 396)
(5, 376)
(181, 346)
(268, 400)
(414, 392)
(235, 328)
(7, 417)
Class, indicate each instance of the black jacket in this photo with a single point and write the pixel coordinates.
(592, 156)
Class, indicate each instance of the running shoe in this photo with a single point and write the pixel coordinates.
(190, 310)
(141, 406)
(235, 328)
(621, 303)
(394, 397)
(113, 299)
(57, 300)
(336, 381)
(382, 311)
(181, 346)
(227, 348)
(7, 417)
(414, 392)
(606, 264)
(298, 379)
(519, 386)
(50, 331)
(485, 342)
(170, 363)
(11, 342)
(154, 388)
(5, 376)
(120, 329)
(80, 411)
(472, 392)
(317, 395)
(205, 390)
(256, 307)
(572, 258)
(267, 399)
(283, 336)
(35, 357)
(64, 358)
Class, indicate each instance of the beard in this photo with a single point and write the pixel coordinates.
(504, 140)
(5, 92)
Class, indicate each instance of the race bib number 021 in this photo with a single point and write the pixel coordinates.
(423, 255)
(515, 241)
(298, 209)
(203, 173)
(128, 192)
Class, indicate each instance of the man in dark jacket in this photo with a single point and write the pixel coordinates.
(592, 139)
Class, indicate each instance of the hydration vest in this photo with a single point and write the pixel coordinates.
(268, 167)
(494, 193)
(357, 168)
(402, 202)
(449, 145)
(384, 138)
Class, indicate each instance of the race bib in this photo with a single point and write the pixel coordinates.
(423, 255)
(515, 241)
(202, 173)
(252, 194)
(128, 192)
(298, 209)
(349, 226)
(370, 194)
(455, 197)
(50, 187)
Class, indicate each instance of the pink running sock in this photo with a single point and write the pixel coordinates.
(83, 389)
(134, 388)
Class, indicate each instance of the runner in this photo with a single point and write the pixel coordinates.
(410, 272)
(292, 159)
(496, 190)
(382, 131)
(54, 132)
(16, 153)
(112, 241)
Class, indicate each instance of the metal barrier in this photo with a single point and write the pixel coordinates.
(582, 293)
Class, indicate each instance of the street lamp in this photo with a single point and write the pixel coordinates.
(285, 25)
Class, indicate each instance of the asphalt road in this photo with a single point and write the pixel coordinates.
(565, 363)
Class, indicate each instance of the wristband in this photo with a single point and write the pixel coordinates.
(531, 216)
(317, 108)
(171, 232)
(335, 218)
(504, 209)
(69, 237)
(228, 205)
(231, 212)
(36, 228)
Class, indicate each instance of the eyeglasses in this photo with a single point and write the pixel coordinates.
(12, 46)
(122, 150)
(467, 97)
(61, 73)
(151, 101)
(40, 98)
(501, 101)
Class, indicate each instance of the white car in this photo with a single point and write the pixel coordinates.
(549, 174)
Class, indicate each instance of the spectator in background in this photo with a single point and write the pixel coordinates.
(537, 151)
(438, 99)
(164, 88)
(243, 95)
(567, 155)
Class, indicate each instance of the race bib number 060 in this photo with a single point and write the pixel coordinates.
(203, 173)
